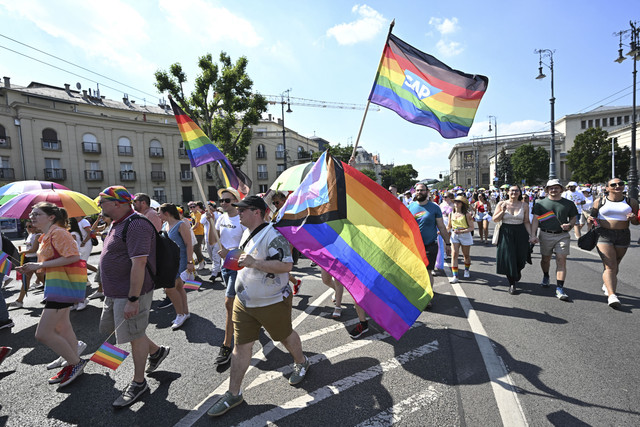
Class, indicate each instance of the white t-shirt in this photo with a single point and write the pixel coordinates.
(576, 197)
(254, 287)
(230, 230)
(588, 205)
(204, 221)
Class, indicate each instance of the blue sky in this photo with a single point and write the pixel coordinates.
(329, 51)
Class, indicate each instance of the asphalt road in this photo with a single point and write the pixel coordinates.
(480, 357)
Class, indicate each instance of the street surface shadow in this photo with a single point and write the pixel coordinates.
(563, 418)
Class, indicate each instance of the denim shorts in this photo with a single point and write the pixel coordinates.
(229, 277)
(617, 238)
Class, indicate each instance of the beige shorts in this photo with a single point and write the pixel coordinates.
(129, 329)
(275, 318)
(558, 243)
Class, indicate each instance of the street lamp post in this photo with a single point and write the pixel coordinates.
(289, 110)
(495, 134)
(634, 35)
(552, 155)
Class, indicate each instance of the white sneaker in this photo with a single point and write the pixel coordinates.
(61, 362)
(179, 321)
(81, 305)
(453, 279)
(202, 265)
(613, 301)
(604, 289)
(96, 294)
(466, 274)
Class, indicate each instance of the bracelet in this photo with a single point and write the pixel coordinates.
(448, 244)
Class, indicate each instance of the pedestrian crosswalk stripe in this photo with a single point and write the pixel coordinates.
(394, 414)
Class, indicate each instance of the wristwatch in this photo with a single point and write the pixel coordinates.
(133, 299)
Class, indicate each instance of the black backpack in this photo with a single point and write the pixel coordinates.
(167, 256)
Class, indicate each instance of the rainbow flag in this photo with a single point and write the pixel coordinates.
(364, 237)
(109, 355)
(425, 91)
(192, 284)
(5, 263)
(546, 216)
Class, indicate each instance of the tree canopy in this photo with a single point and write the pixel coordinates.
(590, 157)
(529, 164)
(403, 176)
(504, 169)
(221, 102)
(339, 152)
(370, 173)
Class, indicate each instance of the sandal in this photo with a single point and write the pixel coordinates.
(337, 312)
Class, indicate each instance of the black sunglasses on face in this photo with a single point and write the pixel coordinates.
(226, 200)
(616, 184)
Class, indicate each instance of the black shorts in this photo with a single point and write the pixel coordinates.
(618, 238)
(57, 305)
(432, 254)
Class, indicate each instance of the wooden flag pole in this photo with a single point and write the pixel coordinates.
(204, 198)
(355, 146)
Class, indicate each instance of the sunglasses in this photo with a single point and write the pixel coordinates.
(616, 184)
(226, 200)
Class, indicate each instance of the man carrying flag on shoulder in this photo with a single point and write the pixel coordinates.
(263, 299)
(555, 216)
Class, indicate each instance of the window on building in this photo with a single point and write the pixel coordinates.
(212, 192)
(4, 162)
(626, 119)
(90, 143)
(280, 151)
(155, 149)
(468, 181)
(279, 169)
(583, 124)
(590, 123)
(597, 123)
(159, 195)
(263, 188)
(3, 132)
(262, 152)
(187, 194)
(262, 172)
(50, 140)
(124, 147)
(619, 120)
(126, 166)
(260, 132)
(612, 121)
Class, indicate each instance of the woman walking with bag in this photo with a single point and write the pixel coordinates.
(514, 236)
(65, 284)
(614, 212)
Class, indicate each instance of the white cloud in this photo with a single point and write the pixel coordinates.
(366, 27)
(449, 48)
(429, 160)
(95, 27)
(199, 20)
(445, 26)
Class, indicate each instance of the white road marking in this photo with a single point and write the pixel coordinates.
(330, 354)
(201, 408)
(339, 386)
(503, 388)
(408, 406)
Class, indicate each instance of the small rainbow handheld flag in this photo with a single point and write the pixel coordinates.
(546, 216)
(5, 264)
(109, 356)
(192, 284)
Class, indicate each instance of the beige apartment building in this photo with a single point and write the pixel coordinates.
(87, 142)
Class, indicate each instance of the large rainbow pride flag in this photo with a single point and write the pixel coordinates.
(5, 263)
(425, 91)
(201, 151)
(364, 237)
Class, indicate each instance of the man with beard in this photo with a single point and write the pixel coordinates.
(429, 218)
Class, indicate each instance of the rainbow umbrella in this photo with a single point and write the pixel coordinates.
(290, 179)
(76, 204)
(9, 191)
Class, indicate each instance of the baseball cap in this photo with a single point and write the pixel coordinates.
(572, 184)
(252, 202)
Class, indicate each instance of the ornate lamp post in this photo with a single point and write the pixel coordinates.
(547, 53)
(634, 53)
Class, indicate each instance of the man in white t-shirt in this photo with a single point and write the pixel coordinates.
(264, 300)
(572, 193)
(230, 231)
(212, 247)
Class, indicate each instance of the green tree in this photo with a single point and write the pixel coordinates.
(370, 173)
(403, 176)
(221, 102)
(504, 169)
(529, 164)
(590, 157)
(339, 152)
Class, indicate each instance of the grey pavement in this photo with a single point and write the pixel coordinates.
(572, 363)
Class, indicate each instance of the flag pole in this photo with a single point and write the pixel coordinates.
(366, 109)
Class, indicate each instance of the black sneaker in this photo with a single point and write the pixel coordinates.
(166, 303)
(361, 328)
(224, 356)
(545, 281)
(131, 393)
(7, 324)
(155, 359)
